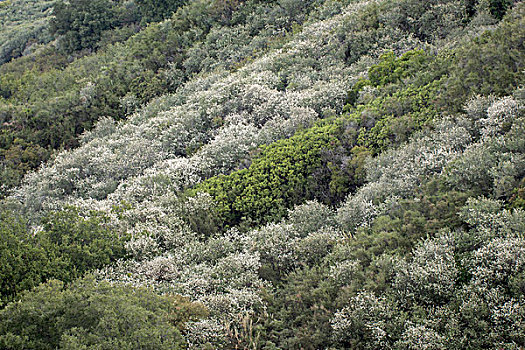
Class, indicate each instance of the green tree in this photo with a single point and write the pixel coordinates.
(498, 8)
(84, 243)
(68, 246)
(95, 315)
(157, 10)
(81, 22)
(22, 260)
(282, 176)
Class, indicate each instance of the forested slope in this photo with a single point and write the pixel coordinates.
(92, 70)
(271, 175)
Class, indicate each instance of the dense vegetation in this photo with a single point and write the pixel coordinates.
(23, 25)
(68, 246)
(263, 174)
(46, 102)
(91, 314)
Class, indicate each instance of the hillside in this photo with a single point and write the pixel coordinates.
(284, 174)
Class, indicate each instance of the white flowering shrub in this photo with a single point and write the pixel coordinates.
(429, 278)
(343, 272)
(275, 244)
(489, 220)
(202, 334)
(310, 217)
(457, 290)
(498, 261)
(428, 20)
(476, 107)
(421, 337)
(358, 210)
(500, 116)
(495, 164)
(368, 321)
(85, 171)
(143, 247)
(509, 319)
(405, 168)
(488, 310)
(311, 250)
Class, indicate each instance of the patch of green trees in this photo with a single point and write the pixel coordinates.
(89, 314)
(67, 246)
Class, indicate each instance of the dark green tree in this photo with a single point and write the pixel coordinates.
(157, 10)
(22, 260)
(95, 315)
(81, 22)
(68, 246)
(498, 8)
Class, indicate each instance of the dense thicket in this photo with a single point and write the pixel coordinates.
(324, 174)
(81, 24)
(324, 163)
(157, 10)
(24, 25)
(90, 315)
(67, 246)
(45, 105)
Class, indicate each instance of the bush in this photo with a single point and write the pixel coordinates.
(279, 178)
(82, 22)
(95, 315)
(68, 246)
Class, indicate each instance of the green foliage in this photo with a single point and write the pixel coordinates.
(498, 8)
(157, 10)
(396, 117)
(353, 94)
(81, 22)
(84, 243)
(391, 69)
(402, 100)
(517, 199)
(300, 311)
(68, 246)
(491, 64)
(23, 27)
(281, 176)
(23, 260)
(95, 315)
(19, 157)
